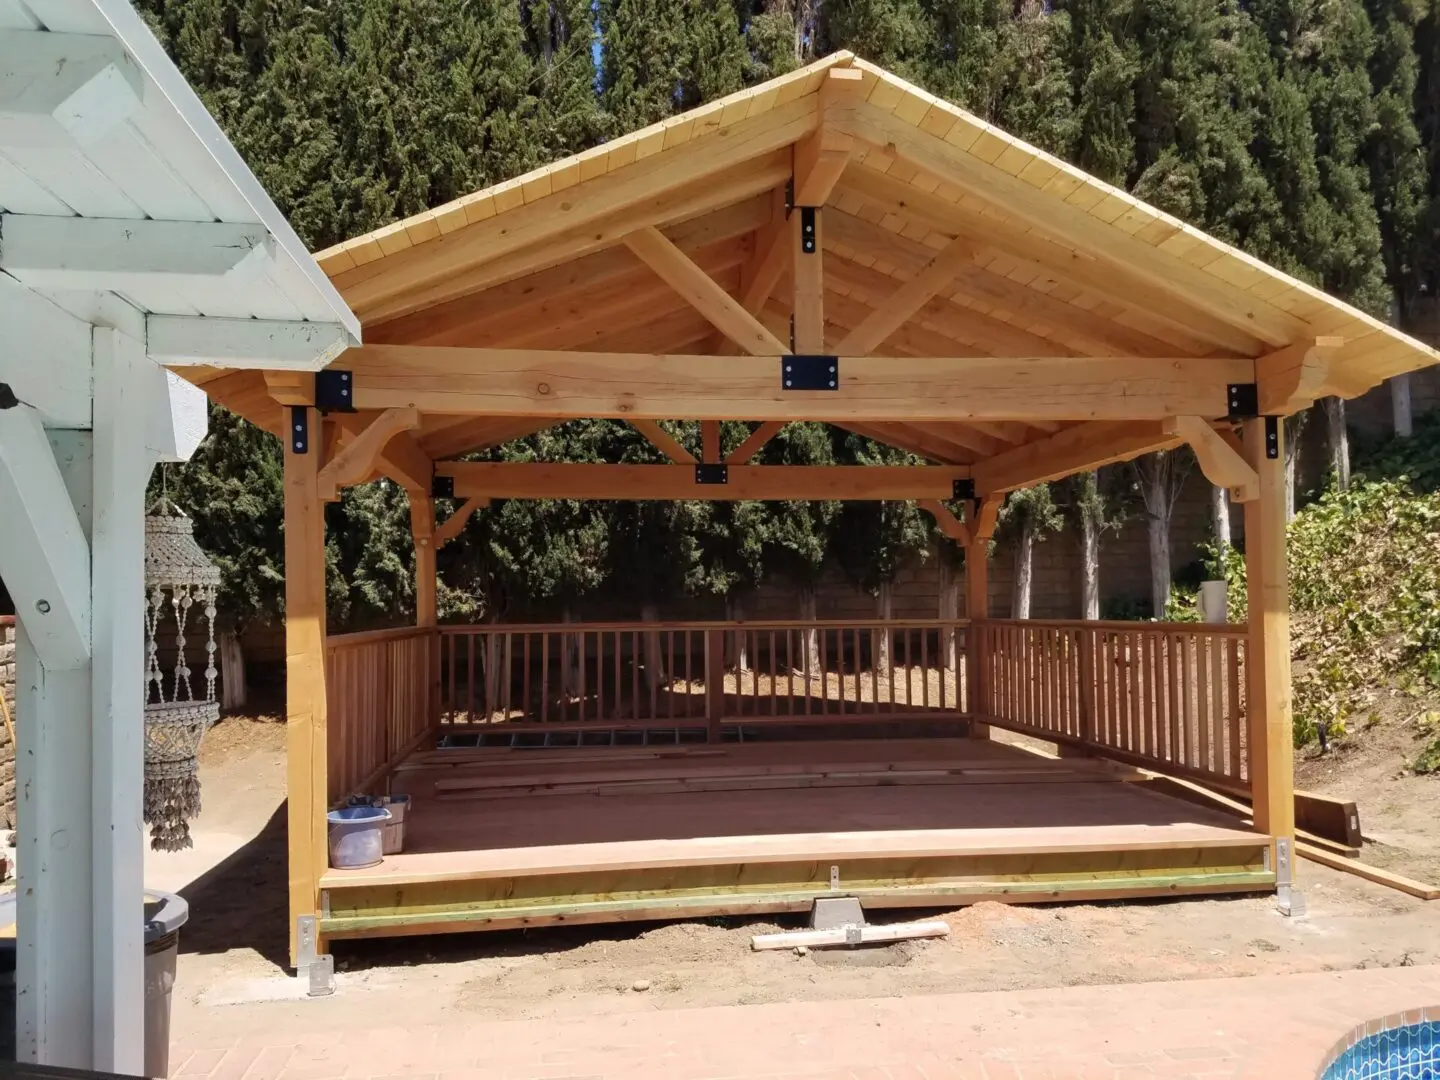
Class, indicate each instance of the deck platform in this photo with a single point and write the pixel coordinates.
(501, 838)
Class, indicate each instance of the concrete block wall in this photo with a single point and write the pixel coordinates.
(7, 747)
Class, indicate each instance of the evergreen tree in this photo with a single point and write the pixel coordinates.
(1026, 519)
(1102, 65)
(560, 38)
(891, 33)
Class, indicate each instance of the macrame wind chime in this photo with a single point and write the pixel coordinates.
(180, 578)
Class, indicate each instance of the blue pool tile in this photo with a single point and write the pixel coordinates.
(1411, 1052)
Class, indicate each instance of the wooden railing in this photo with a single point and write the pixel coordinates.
(380, 702)
(1166, 695)
(631, 676)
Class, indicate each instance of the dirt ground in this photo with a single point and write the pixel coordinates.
(233, 949)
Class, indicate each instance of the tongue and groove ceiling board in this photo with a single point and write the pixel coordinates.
(940, 237)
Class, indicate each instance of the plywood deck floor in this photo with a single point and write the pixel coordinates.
(513, 833)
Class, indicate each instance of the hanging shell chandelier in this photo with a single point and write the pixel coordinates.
(179, 578)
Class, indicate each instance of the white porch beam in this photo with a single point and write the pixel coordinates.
(101, 253)
(177, 416)
(63, 89)
(44, 557)
(184, 340)
(46, 357)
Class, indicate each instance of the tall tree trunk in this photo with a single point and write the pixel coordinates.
(1294, 427)
(491, 674)
(1089, 567)
(737, 648)
(949, 609)
(1157, 502)
(810, 636)
(1024, 571)
(1400, 408)
(232, 672)
(1220, 518)
(654, 658)
(1338, 436)
(880, 640)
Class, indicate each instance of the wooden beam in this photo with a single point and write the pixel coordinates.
(1271, 740)
(663, 441)
(907, 300)
(769, 259)
(110, 254)
(1292, 378)
(947, 522)
(1220, 463)
(911, 439)
(1118, 252)
(985, 515)
(699, 289)
(982, 518)
(359, 456)
(539, 480)
(657, 188)
(455, 523)
(1075, 449)
(820, 160)
(1069, 267)
(400, 459)
(710, 441)
(181, 340)
(422, 530)
(743, 453)
(520, 382)
(62, 91)
(305, 704)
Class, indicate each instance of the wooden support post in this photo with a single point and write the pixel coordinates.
(809, 274)
(714, 682)
(977, 606)
(306, 749)
(1267, 646)
(710, 441)
(422, 528)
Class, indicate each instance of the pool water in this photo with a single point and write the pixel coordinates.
(1405, 1052)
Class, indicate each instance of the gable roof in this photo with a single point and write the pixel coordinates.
(1053, 262)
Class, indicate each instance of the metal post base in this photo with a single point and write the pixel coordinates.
(317, 970)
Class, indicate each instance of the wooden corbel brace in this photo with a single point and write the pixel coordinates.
(983, 516)
(742, 454)
(663, 441)
(452, 525)
(1292, 378)
(358, 458)
(946, 522)
(1222, 465)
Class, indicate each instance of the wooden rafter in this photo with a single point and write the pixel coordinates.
(519, 382)
(906, 300)
(699, 289)
(1075, 449)
(359, 455)
(1221, 463)
(663, 441)
(747, 450)
(535, 480)
(1074, 269)
(1019, 201)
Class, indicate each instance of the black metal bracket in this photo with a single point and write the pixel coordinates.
(805, 371)
(8, 400)
(1242, 401)
(709, 472)
(300, 429)
(442, 487)
(963, 489)
(1272, 437)
(334, 390)
(808, 229)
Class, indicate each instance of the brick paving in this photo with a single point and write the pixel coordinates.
(1275, 1027)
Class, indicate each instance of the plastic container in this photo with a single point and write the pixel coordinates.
(165, 914)
(356, 836)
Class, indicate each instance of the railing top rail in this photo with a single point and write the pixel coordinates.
(1128, 626)
(757, 624)
(369, 637)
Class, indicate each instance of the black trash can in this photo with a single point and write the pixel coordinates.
(165, 914)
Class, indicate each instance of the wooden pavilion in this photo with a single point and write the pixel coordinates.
(833, 245)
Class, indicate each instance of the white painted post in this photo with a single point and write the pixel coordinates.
(79, 778)
(122, 468)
